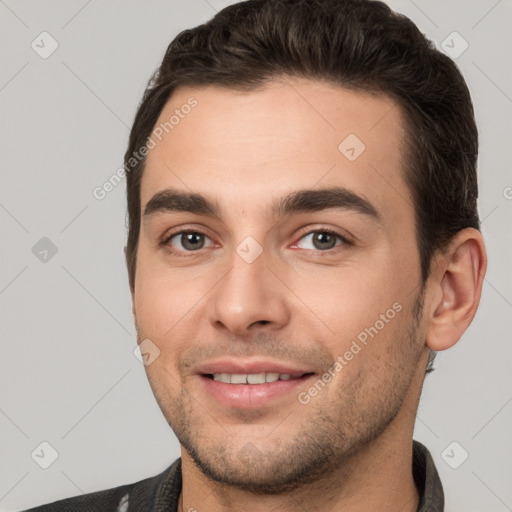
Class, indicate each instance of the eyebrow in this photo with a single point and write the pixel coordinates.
(322, 199)
(308, 200)
(171, 200)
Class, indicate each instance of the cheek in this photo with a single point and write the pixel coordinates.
(358, 308)
(166, 298)
(348, 299)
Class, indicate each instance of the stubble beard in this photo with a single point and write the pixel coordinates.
(327, 437)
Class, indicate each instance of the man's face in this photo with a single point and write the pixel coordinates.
(255, 288)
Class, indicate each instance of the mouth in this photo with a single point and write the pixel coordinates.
(254, 378)
(254, 390)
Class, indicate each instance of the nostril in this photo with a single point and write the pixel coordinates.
(261, 322)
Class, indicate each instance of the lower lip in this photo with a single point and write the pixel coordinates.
(247, 396)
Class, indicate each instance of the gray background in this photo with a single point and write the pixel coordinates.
(68, 373)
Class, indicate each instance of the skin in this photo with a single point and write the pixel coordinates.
(350, 447)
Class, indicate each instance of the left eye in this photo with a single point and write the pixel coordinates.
(189, 241)
(320, 240)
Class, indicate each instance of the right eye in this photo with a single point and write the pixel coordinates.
(188, 241)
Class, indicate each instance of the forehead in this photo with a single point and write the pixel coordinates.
(247, 148)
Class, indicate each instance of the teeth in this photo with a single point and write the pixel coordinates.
(271, 377)
(251, 378)
(255, 378)
(222, 377)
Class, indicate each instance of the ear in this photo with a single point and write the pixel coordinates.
(455, 288)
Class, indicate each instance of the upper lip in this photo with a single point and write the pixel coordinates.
(246, 366)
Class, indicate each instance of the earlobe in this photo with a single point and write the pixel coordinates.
(456, 289)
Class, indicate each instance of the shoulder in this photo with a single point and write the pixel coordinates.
(137, 496)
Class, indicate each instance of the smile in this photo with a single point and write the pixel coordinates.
(252, 378)
(252, 390)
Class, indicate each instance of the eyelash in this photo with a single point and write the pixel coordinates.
(181, 254)
(346, 241)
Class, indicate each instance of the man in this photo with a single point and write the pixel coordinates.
(303, 238)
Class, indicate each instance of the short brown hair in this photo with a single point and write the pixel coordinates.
(357, 44)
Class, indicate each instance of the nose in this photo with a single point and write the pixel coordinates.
(249, 297)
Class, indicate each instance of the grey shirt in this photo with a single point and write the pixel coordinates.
(161, 492)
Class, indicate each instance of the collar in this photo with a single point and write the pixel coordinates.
(426, 477)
